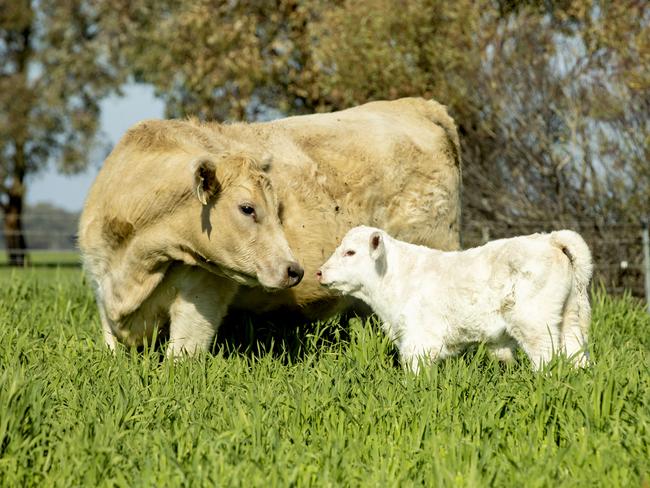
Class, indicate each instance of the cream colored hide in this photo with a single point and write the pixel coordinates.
(166, 241)
(528, 292)
(172, 250)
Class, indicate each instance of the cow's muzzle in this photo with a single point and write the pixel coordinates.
(295, 272)
(280, 276)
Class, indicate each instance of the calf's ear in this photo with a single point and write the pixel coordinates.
(206, 184)
(377, 249)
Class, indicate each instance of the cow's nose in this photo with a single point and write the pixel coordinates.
(319, 275)
(294, 273)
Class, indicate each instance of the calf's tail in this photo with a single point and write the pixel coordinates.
(579, 255)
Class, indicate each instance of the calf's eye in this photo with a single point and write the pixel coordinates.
(350, 253)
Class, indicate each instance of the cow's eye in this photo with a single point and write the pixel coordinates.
(247, 210)
(349, 253)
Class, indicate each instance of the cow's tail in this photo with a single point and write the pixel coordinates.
(438, 114)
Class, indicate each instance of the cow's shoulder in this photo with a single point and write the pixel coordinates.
(166, 135)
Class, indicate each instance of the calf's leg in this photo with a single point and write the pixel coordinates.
(503, 350)
(419, 345)
(537, 330)
(575, 328)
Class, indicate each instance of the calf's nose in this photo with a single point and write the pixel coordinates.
(294, 274)
(319, 275)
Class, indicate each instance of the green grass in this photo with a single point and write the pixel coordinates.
(321, 405)
(48, 258)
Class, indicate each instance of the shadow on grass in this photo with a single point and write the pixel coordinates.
(285, 335)
(290, 337)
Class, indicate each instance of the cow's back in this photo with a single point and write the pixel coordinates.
(393, 165)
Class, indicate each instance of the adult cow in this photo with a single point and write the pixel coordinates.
(186, 219)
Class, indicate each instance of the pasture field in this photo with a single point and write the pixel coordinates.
(48, 258)
(321, 404)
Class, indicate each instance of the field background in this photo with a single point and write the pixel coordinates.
(321, 404)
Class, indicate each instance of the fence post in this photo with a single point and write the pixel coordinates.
(646, 261)
(485, 234)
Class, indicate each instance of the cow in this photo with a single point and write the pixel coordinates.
(187, 219)
(526, 291)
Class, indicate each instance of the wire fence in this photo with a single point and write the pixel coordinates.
(618, 250)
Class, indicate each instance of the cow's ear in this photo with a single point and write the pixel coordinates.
(377, 249)
(206, 184)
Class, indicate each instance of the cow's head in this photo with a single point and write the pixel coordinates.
(241, 232)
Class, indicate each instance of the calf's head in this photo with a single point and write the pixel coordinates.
(357, 263)
(241, 232)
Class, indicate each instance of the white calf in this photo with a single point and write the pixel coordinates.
(529, 291)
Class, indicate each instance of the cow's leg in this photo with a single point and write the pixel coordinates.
(109, 336)
(201, 302)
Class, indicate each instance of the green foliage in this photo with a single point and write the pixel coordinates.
(551, 97)
(53, 73)
(52, 79)
(322, 405)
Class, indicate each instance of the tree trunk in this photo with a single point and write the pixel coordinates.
(14, 190)
(13, 230)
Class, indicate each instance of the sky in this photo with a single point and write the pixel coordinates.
(117, 115)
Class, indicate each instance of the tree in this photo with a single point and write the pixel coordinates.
(214, 59)
(556, 122)
(236, 60)
(52, 74)
(551, 98)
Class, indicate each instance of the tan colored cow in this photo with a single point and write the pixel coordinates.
(186, 219)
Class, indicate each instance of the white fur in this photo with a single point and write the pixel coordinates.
(527, 291)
